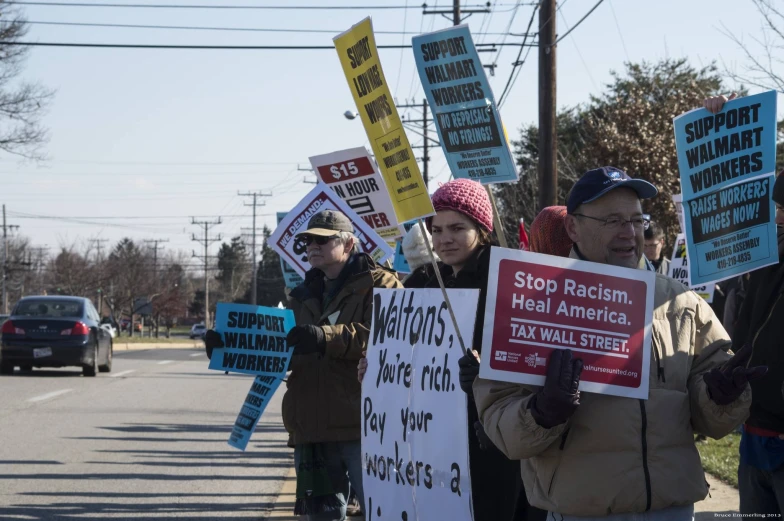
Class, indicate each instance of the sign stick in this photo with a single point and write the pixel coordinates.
(499, 230)
(441, 284)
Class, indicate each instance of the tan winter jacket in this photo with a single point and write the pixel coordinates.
(322, 400)
(621, 455)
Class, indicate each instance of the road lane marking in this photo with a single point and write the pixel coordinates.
(49, 395)
(196, 354)
(164, 362)
(123, 373)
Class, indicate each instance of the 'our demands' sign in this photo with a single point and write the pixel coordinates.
(290, 275)
(254, 339)
(414, 414)
(319, 199)
(353, 176)
(467, 119)
(537, 303)
(679, 270)
(727, 163)
(362, 67)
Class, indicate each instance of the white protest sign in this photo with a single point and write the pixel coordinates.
(538, 303)
(414, 414)
(679, 270)
(353, 175)
(319, 199)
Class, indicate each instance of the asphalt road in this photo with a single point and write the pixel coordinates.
(146, 441)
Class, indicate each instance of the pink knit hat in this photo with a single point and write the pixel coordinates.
(467, 197)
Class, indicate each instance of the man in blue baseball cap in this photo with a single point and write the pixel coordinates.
(595, 456)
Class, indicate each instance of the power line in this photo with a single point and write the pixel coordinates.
(213, 6)
(210, 47)
(620, 33)
(564, 35)
(517, 63)
(240, 29)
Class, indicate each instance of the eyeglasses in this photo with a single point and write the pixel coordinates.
(616, 223)
(308, 239)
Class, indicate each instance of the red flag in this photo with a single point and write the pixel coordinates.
(523, 235)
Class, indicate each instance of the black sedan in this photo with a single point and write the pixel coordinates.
(59, 331)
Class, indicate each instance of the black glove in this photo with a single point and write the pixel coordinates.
(728, 381)
(469, 370)
(306, 339)
(485, 443)
(559, 397)
(212, 339)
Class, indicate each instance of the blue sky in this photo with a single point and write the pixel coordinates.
(143, 139)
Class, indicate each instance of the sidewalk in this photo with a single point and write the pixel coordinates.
(723, 499)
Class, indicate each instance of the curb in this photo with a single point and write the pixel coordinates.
(283, 508)
(138, 346)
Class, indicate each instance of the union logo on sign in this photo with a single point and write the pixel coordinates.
(501, 356)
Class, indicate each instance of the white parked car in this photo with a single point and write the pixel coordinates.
(198, 331)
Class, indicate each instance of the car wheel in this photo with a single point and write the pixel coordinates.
(6, 368)
(92, 369)
(107, 367)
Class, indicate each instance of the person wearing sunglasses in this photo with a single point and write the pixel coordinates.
(594, 456)
(321, 407)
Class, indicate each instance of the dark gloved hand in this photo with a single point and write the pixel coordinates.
(212, 339)
(728, 381)
(485, 443)
(469, 370)
(559, 397)
(306, 339)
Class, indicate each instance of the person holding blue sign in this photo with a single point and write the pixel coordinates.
(321, 407)
(595, 456)
(759, 323)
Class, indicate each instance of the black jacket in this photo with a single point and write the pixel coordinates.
(498, 493)
(761, 323)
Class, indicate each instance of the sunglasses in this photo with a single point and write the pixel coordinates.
(308, 239)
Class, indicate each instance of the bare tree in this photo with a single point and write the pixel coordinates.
(763, 50)
(22, 104)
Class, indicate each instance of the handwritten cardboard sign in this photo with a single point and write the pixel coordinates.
(414, 414)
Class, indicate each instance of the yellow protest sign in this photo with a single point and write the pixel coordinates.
(362, 67)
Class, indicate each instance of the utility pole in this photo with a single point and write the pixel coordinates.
(425, 145)
(6, 227)
(155, 243)
(255, 272)
(548, 143)
(206, 241)
(99, 246)
(40, 253)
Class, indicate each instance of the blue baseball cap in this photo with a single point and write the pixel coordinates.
(599, 181)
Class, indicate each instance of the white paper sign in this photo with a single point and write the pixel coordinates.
(414, 414)
(322, 198)
(353, 175)
(679, 270)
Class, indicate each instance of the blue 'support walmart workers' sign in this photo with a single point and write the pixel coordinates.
(727, 163)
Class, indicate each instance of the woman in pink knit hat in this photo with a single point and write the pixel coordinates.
(462, 235)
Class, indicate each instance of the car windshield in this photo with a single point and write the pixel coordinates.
(199, 326)
(49, 308)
